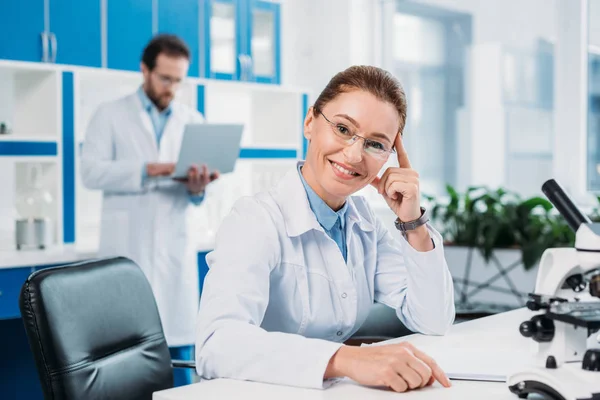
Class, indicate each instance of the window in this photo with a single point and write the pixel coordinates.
(426, 52)
(593, 125)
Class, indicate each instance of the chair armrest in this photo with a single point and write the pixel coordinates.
(183, 364)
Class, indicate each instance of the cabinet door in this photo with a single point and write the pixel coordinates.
(180, 17)
(11, 281)
(263, 21)
(222, 39)
(129, 29)
(21, 30)
(75, 32)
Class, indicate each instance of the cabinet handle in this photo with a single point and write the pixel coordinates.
(247, 65)
(250, 68)
(44, 36)
(242, 62)
(54, 46)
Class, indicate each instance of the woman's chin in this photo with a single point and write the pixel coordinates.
(342, 190)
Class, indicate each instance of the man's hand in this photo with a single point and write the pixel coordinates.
(160, 169)
(198, 178)
(400, 367)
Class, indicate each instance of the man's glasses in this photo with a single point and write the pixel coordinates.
(167, 81)
(348, 135)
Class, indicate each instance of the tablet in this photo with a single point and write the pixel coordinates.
(216, 145)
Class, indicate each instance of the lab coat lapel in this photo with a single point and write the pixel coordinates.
(170, 142)
(146, 124)
(295, 208)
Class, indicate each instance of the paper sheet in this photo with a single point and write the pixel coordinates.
(479, 364)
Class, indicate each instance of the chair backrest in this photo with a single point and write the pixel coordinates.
(95, 331)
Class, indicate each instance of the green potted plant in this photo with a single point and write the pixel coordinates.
(494, 239)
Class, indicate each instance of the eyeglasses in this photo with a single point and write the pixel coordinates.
(167, 81)
(349, 136)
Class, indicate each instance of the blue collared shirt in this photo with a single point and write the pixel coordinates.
(159, 118)
(159, 121)
(334, 223)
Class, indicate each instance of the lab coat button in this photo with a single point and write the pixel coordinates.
(340, 333)
(344, 295)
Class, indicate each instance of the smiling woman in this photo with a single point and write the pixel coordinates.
(296, 269)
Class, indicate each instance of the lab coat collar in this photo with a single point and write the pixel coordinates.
(297, 214)
(148, 105)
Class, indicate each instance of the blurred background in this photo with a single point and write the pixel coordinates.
(502, 95)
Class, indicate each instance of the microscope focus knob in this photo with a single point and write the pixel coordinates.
(591, 360)
(539, 327)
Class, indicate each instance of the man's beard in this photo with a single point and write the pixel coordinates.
(161, 102)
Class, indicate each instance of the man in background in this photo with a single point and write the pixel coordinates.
(129, 152)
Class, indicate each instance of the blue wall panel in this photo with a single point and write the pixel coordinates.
(129, 30)
(304, 111)
(15, 148)
(201, 105)
(180, 17)
(76, 25)
(68, 159)
(267, 153)
(20, 29)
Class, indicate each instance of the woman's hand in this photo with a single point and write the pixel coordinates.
(400, 186)
(400, 189)
(400, 367)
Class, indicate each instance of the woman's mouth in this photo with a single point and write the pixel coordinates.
(343, 171)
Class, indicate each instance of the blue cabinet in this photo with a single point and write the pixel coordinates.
(180, 17)
(228, 39)
(129, 28)
(222, 39)
(241, 39)
(75, 28)
(34, 31)
(262, 41)
(11, 281)
(21, 30)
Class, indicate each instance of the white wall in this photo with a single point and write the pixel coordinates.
(324, 37)
(315, 41)
(512, 22)
(594, 27)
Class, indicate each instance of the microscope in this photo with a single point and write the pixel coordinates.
(565, 333)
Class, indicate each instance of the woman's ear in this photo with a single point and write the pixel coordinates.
(309, 121)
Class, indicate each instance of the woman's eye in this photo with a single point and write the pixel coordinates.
(343, 130)
(375, 145)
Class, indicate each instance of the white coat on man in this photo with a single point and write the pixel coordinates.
(145, 220)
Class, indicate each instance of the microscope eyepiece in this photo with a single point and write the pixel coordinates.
(563, 203)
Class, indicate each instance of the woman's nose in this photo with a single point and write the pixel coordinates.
(354, 151)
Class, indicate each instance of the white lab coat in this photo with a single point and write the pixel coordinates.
(279, 299)
(146, 223)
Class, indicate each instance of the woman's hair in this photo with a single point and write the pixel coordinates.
(376, 81)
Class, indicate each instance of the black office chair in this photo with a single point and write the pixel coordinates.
(95, 332)
(381, 324)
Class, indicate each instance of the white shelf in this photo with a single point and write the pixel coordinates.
(30, 104)
(34, 258)
(15, 137)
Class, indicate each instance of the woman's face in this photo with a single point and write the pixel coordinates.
(337, 169)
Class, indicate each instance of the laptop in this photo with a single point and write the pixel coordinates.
(215, 145)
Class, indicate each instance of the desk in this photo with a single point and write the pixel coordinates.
(497, 332)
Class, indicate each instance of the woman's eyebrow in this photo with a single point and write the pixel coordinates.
(373, 134)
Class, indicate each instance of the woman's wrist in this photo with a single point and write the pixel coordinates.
(339, 362)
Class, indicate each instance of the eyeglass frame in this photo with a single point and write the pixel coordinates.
(351, 140)
(167, 81)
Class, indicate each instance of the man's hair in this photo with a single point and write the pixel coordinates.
(167, 44)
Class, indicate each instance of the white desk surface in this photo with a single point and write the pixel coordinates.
(495, 334)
